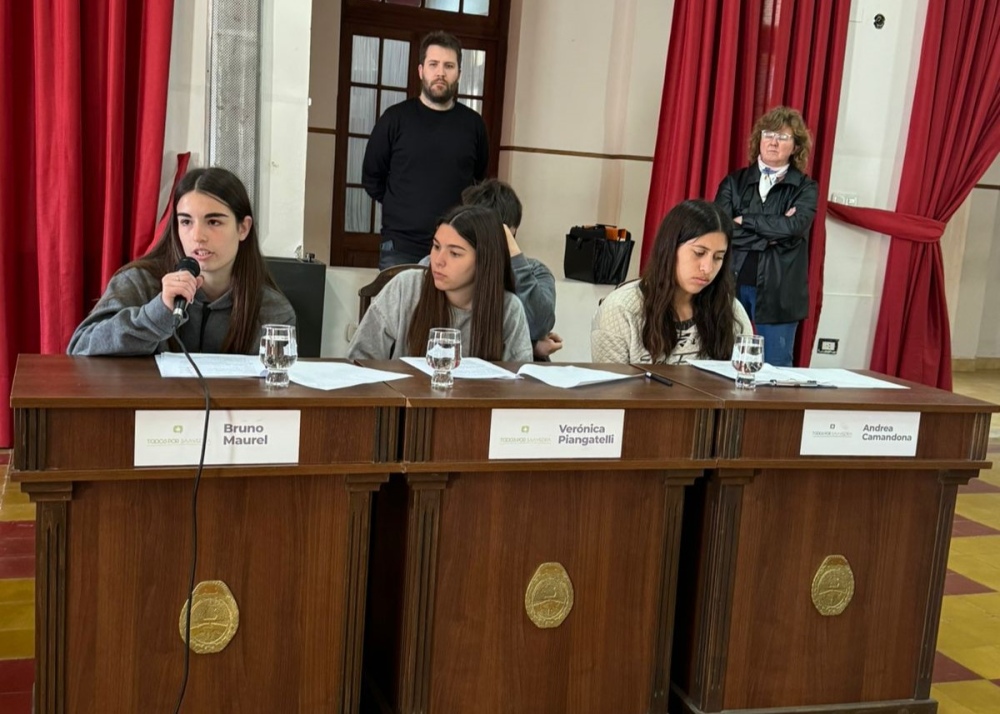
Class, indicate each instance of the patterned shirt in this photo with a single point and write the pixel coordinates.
(616, 331)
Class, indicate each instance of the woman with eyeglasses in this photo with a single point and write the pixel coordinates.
(772, 203)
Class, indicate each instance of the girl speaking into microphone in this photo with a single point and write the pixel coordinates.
(228, 296)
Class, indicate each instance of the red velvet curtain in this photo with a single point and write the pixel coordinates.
(729, 61)
(954, 136)
(83, 91)
(708, 103)
(806, 65)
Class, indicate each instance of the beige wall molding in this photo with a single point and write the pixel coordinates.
(582, 154)
(979, 364)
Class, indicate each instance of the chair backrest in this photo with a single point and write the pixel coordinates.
(304, 284)
(367, 293)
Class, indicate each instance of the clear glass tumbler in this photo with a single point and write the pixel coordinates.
(748, 359)
(278, 352)
(444, 353)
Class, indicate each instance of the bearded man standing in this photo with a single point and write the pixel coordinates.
(423, 153)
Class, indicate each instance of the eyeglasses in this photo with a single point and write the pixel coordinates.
(774, 135)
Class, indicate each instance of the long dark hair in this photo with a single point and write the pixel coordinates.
(713, 306)
(481, 228)
(250, 273)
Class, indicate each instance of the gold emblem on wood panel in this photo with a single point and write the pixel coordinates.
(549, 597)
(833, 586)
(214, 618)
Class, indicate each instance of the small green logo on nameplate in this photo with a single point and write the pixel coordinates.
(178, 429)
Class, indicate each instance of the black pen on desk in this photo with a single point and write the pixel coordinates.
(657, 378)
(810, 383)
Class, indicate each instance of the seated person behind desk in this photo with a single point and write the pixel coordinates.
(684, 306)
(227, 303)
(470, 286)
(534, 282)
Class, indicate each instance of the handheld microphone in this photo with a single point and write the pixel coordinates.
(180, 304)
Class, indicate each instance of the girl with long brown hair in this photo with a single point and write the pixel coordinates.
(469, 286)
(231, 298)
(684, 305)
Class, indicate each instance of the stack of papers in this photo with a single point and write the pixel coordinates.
(469, 368)
(570, 376)
(799, 376)
(315, 375)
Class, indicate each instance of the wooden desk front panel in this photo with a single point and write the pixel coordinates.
(608, 530)
(777, 434)
(104, 439)
(277, 543)
(464, 434)
(781, 650)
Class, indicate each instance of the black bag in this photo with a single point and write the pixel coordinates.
(597, 254)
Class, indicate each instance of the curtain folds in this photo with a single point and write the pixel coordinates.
(728, 62)
(83, 92)
(954, 137)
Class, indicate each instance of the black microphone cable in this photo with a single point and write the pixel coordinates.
(194, 522)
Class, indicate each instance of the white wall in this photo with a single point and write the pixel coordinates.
(284, 118)
(976, 325)
(186, 91)
(284, 111)
(877, 93)
(570, 87)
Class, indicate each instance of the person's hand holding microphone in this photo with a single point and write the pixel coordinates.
(180, 286)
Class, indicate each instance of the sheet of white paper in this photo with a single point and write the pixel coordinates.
(337, 375)
(765, 375)
(842, 378)
(175, 364)
(470, 368)
(569, 376)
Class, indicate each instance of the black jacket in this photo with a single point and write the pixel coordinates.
(782, 242)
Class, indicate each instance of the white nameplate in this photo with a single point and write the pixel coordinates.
(829, 432)
(556, 433)
(235, 436)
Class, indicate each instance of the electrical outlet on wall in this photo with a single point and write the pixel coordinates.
(827, 345)
(350, 330)
(844, 198)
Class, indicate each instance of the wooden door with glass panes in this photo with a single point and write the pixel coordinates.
(379, 53)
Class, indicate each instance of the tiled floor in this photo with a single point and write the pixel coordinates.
(966, 672)
(17, 604)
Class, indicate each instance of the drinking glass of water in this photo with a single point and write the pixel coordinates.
(444, 353)
(278, 352)
(748, 359)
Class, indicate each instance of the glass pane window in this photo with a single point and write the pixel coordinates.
(476, 7)
(362, 119)
(395, 58)
(364, 59)
(390, 97)
(355, 157)
(475, 104)
(473, 79)
(358, 211)
(445, 5)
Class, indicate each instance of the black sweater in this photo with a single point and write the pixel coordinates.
(418, 162)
